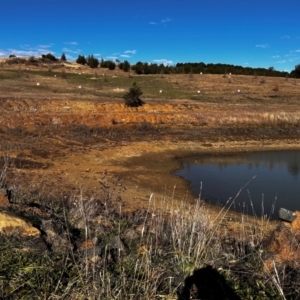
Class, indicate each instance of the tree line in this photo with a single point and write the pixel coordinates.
(185, 68)
(180, 68)
(202, 68)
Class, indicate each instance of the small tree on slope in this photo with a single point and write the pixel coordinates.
(132, 97)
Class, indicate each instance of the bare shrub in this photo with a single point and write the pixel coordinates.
(262, 81)
(276, 87)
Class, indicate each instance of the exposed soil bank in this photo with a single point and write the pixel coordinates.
(65, 147)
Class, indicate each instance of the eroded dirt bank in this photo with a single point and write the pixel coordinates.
(68, 147)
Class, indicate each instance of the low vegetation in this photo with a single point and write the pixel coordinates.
(90, 249)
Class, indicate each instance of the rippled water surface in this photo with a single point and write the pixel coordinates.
(267, 180)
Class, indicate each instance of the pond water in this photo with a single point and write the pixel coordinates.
(267, 180)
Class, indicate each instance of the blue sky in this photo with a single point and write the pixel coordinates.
(255, 33)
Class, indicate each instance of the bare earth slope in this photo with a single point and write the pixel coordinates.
(60, 139)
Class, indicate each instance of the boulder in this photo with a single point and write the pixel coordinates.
(284, 241)
(116, 244)
(13, 224)
(56, 237)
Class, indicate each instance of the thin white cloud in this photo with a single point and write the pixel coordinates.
(125, 55)
(74, 51)
(152, 23)
(263, 46)
(163, 61)
(166, 20)
(281, 62)
(111, 57)
(97, 54)
(45, 46)
(285, 37)
(27, 50)
(70, 57)
(44, 51)
(24, 52)
(71, 43)
(130, 52)
(275, 56)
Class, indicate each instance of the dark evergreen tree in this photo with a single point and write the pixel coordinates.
(63, 57)
(102, 63)
(296, 71)
(139, 68)
(111, 65)
(81, 60)
(126, 66)
(92, 62)
(132, 97)
(49, 57)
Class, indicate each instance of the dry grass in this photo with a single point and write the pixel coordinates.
(17, 81)
(156, 251)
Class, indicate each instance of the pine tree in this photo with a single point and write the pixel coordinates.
(92, 61)
(126, 66)
(132, 97)
(81, 60)
(63, 57)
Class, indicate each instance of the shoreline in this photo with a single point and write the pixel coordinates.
(173, 160)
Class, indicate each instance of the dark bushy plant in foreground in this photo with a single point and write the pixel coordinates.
(132, 97)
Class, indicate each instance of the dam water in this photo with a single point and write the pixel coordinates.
(257, 183)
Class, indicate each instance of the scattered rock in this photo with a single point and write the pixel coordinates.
(32, 244)
(61, 243)
(130, 234)
(284, 241)
(287, 215)
(56, 237)
(13, 224)
(116, 243)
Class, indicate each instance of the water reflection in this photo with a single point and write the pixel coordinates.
(276, 179)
